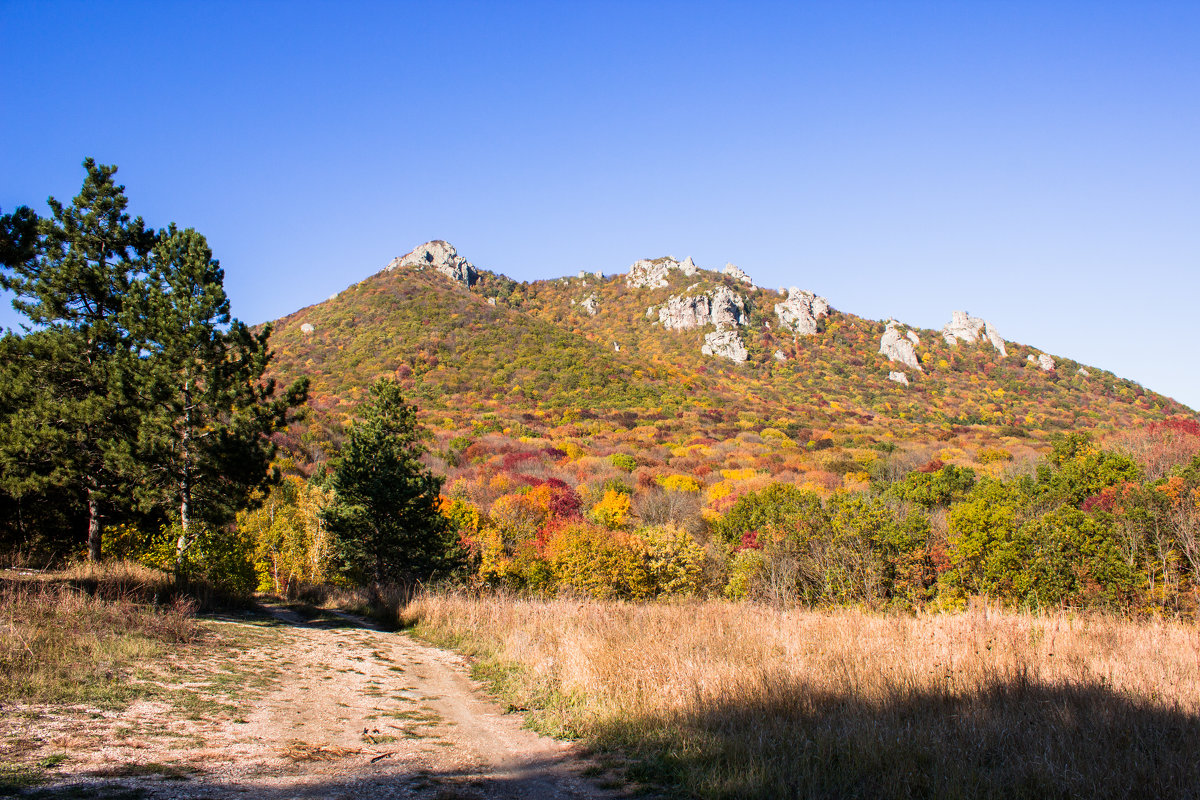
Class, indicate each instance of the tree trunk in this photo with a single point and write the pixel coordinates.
(93, 538)
(185, 482)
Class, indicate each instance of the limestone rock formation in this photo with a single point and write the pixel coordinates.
(801, 310)
(589, 305)
(653, 273)
(720, 307)
(737, 273)
(780, 355)
(898, 347)
(1046, 363)
(971, 329)
(912, 337)
(441, 256)
(898, 377)
(1083, 373)
(725, 344)
(307, 328)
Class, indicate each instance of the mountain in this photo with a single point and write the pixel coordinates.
(670, 354)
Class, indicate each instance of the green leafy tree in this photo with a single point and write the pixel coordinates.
(384, 518)
(204, 438)
(71, 274)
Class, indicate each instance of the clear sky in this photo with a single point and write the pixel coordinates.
(1037, 164)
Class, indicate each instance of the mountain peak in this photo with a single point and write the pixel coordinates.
(441, 256)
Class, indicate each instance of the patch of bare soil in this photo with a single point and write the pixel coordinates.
(296, 709)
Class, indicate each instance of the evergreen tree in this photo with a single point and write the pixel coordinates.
(385, 518)
(71, 417)
(203, 443)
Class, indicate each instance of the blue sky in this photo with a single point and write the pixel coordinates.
(1037, 164)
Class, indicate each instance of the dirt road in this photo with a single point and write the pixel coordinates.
(288, 708)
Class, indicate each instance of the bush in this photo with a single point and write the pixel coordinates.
(598, 563)
(623, 462)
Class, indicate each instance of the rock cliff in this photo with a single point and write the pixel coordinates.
(737, 273)
(442, 257)
(720, 307)
(653, 273)
(725, 344)
(801, 311)
(963, 326)
(899, 347)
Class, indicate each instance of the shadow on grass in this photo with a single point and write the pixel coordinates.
(1009, 740)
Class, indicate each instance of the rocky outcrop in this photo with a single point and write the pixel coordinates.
(912, 337)
(589, 305)
(725, 344)
(898, 347)
(964, 327)
(898, 377)
(1045, 363)
(780, 355)
(442, 257)
(738, 274)
(800, 312)
(307, 328)
(654, 273)
(1083, 373)
(720, 307)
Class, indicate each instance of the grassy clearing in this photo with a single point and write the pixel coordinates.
(63, 645)
(77, 645)
(721, 700)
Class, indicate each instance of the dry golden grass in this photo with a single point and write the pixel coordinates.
(716, 699)
(62, 643)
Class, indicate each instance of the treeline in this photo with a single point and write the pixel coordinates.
(131, 395)
(1087, 527)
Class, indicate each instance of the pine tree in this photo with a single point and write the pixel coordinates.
(385, 518)
(203, 444)
(69, 375)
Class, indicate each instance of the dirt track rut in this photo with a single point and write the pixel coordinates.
(335, 710)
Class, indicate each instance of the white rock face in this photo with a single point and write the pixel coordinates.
(589, 305)
(898, 347)
(653, 273)
(441, 256)
(491, 301)
(800, 311)
(898, 377)
(912, 337)
(1083, 373)
(780, 355)
(725, 344)
(720, 307)
(971, 329)
(1046, 363)
(737, 273)
(307, 328)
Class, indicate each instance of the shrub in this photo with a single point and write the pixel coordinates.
(597, 563)
(679, 483)
(623, 462)
(613, 510)
(675, 561)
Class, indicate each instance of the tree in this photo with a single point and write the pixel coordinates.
(71, 274)
(203, 440)
(384, 518)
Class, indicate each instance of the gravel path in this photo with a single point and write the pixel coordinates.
(318, 711)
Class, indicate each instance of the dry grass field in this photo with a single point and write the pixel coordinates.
(715, 699)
